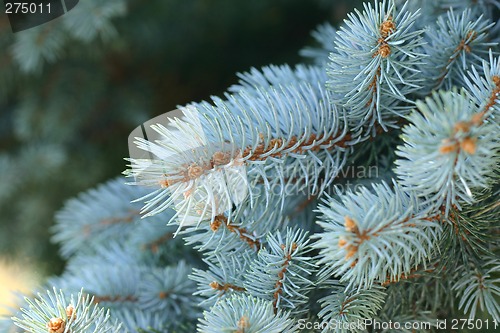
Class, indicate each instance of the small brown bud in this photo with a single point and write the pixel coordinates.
(56, 325)
(387, 27)
(349, 224)
(238, 161)
(70, 312)
(351, 251)
(448, 148)
(220, 158)
(462, 127)
(471, 35)
(342, 242)
(215, 225)
(217, 222)
(275, 143)
(384, 50)
(259, 150)
(469, 145)
(188, 193)
(243, 323)
(164, 183)
(496, 80)
(194, 171)
(477, 119)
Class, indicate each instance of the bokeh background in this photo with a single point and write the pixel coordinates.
(73, 89)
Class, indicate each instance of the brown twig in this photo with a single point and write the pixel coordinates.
(242, 232)
(281, 275)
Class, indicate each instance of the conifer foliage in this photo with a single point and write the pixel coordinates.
(247, 218)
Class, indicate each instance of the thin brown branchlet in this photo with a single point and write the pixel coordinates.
(281, 275)
(224, 288)
(220, 220)
(274, 149)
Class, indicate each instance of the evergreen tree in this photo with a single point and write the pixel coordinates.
(258, 211)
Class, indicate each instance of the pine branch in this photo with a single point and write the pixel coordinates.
(244, 146)
(245, 314)
(324, 35)
(374, 68)
(479, 288)
(348, 308)
(106, 215)
(224, 277)
(46, 43)
(467, 233)
(449, 151)
(57, 313)
(388, 227)
(483, 87)
(458, 42)
(282, 272)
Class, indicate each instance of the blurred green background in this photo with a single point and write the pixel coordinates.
(71, 91)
